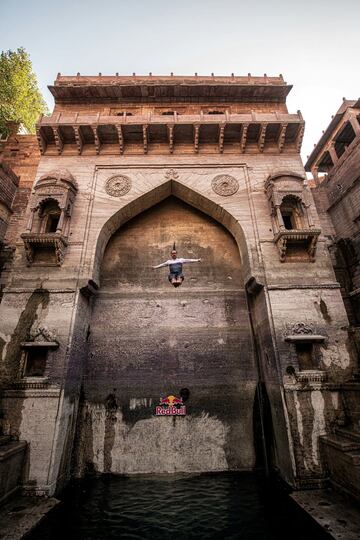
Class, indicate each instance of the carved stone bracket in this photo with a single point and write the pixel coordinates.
(281, 139)
(170, 130)
(196, 137)
(243, 140)
(221, 138)
(253, 286)
(261, 142)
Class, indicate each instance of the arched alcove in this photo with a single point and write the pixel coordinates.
(149, 340)
(189, 196)
(147, 240)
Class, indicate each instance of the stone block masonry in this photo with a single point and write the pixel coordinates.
(256, 333)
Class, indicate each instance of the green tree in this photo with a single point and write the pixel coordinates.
(20, 97)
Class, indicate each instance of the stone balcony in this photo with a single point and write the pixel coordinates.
(73, 133)
(44, 249)
(297, 244)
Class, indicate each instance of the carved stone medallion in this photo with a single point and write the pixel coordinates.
(225, 185)
(118, 185)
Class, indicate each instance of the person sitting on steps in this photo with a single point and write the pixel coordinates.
(175, 265)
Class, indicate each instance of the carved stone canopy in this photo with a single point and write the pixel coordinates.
(59, 186)
(303, 332)
(41, 336)
(59, 175)
(41, 333)
(294, 229)
(285, 183)
(48, 227)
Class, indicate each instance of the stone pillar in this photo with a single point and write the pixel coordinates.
(355, 125)
(333, 154)
(31, 220)
(315, 173)
(280, 218)
(61, 221)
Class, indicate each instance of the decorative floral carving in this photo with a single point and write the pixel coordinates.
(118, 186)
(302, 328)
(40, 333)
(299, 329)
(171, 174)
(225, 185)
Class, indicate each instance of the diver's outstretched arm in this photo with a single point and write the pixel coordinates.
(166, 263)
(190, 260)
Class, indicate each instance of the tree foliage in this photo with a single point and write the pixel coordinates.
(20, 98)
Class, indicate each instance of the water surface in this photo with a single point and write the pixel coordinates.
(225, 506)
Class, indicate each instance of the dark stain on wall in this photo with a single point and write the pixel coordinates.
(324, 311)
(21, 333)
(111, 407)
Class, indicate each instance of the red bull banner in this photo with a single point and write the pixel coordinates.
(170, 406)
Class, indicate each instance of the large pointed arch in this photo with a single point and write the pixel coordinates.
(187, 195)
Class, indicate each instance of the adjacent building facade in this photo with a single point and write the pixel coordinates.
(335, 166)
(92, 337)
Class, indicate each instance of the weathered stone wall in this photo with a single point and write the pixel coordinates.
(128, 337)
(158, 340)
(20, 153)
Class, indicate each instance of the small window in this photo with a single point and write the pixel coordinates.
(52, 223)
(124, 113)
(304, 353)
(215, 112)
(35, 362)
(288, 220)
(168, 113)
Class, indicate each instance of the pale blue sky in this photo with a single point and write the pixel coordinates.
(315, 44)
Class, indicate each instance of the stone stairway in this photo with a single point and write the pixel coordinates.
(342, 453)
(12, 460)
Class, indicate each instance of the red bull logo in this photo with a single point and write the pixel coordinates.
(171, 406)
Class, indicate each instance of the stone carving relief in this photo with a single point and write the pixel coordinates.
(299, 329)
(225, 185)
(171, 174)
(41, 334)
(118, 186)
(302, 328)
(304, 331)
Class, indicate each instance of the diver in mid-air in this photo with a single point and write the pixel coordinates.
(175, 265)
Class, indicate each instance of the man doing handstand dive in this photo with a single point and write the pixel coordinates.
(176, 276)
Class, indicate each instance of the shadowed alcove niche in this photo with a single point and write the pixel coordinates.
(149, 340)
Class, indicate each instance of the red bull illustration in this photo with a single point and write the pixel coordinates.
(171, 406)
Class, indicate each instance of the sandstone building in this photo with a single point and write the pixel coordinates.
(335, 165)
(92, 336)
